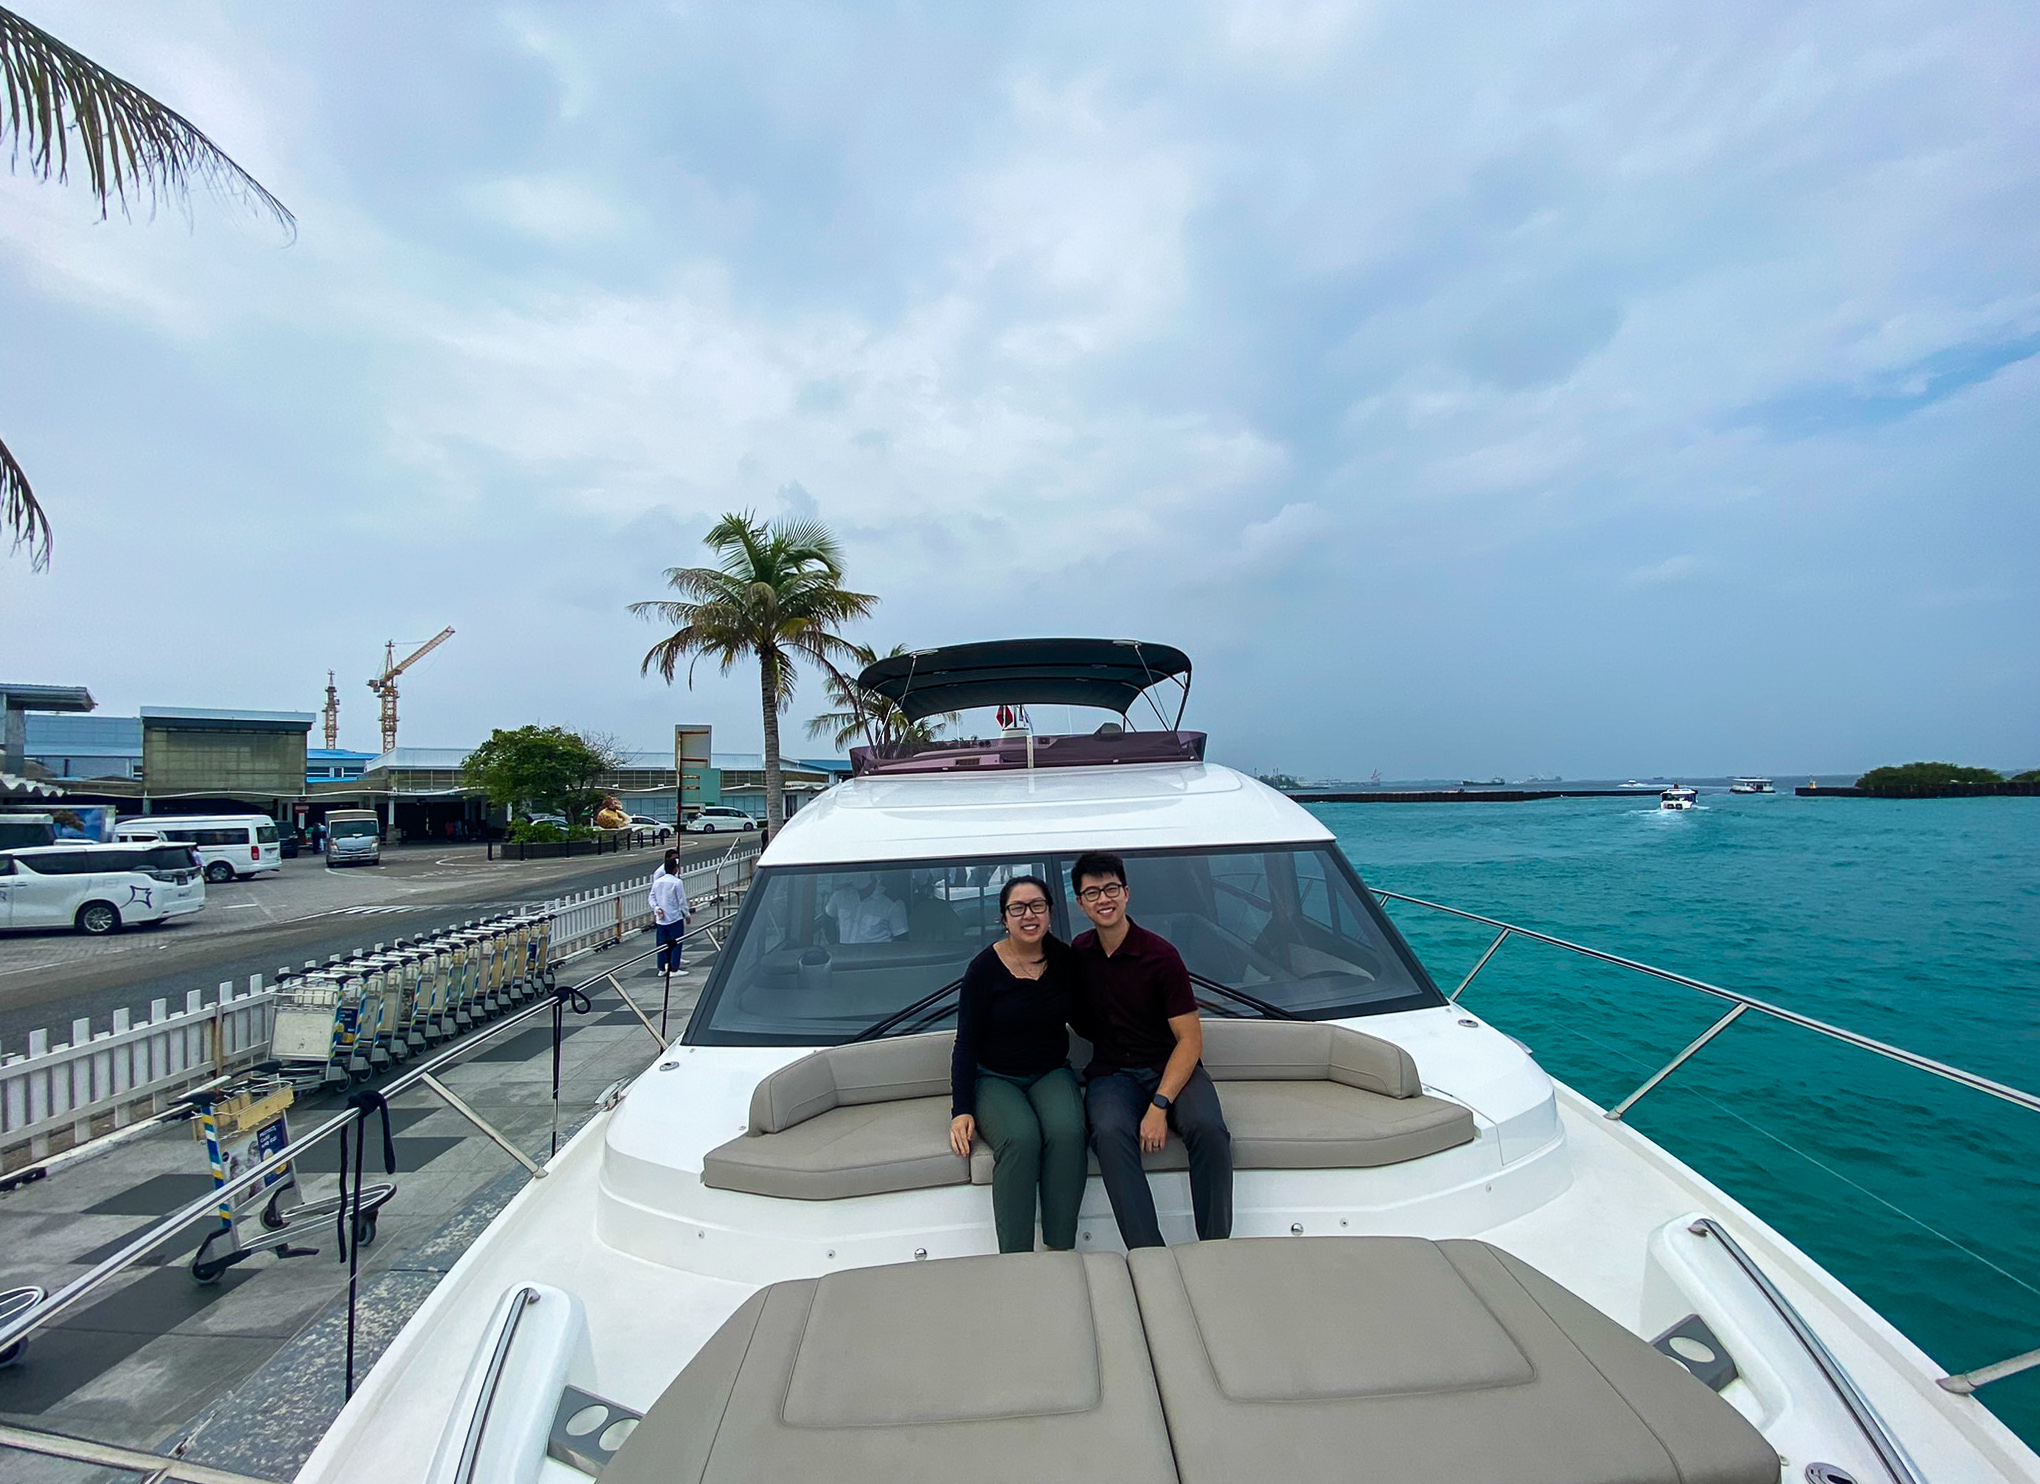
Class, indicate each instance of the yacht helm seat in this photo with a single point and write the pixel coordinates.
(873, 1116)
(1217, 1363)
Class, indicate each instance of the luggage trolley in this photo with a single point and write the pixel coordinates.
(400, 984)
(242, 1125)
(318, 1017)
(432, 1019)
(372, 1046)
(463, 991)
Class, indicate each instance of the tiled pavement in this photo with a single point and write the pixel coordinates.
(254, 1361)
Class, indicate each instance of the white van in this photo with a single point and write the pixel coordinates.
(99, 889)
(231, 845)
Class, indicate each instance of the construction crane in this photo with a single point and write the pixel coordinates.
(332, 714)
(385, 684)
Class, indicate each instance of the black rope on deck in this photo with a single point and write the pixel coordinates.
(365, 1104)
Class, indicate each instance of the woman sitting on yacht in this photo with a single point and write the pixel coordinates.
(1010, 1078)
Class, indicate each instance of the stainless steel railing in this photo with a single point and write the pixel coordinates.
(1739, 1004)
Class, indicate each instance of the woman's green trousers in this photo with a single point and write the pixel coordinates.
(1035, 1126)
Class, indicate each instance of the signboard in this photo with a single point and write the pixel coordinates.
(691, 764)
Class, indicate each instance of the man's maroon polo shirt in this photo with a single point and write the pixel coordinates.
(1130, 996)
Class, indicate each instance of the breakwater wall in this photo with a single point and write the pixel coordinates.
(1919, 791)
(1470, 795)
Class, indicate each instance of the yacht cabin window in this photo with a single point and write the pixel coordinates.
(821, 953)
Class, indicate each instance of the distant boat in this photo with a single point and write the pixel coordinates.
(1750, 786)
(1632, 783)
(1483, 783)
(1678, 796)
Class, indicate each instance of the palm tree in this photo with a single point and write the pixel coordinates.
(132, 149)
(777, 595)
(876, 718)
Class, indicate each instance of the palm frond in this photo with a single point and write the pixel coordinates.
(130, 145)
(20, 514)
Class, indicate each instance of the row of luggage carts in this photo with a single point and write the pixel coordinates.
(360, 1015)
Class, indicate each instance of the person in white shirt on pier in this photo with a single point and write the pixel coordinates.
(670, 910)
(864, 913)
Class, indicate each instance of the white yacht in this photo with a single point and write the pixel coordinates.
(1678, 796)
(1751, 785)
(759, 1261)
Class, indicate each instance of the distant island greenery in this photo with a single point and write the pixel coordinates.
(1929, 775)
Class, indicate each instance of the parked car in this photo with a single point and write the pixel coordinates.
(557, 821)
(287, 841)
(717, 817)
(643, 826)
(353, 837)
(99, 889)
(17, 828)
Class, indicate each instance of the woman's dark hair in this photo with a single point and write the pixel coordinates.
(1099, 863)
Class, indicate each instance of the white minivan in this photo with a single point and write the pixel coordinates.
(231, 845)
(99, 889)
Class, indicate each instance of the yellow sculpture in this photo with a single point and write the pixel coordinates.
(611, 816)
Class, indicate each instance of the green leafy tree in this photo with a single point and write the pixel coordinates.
(542, 768)
(867, 714)
(59, 103)
(1926, 775)
(776, 596)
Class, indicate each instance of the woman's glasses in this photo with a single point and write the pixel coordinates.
(1111, 891)
(1027, 909)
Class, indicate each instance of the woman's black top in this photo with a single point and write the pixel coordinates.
(1008, 1024)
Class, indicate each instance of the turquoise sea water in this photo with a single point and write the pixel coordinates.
(1915, 922)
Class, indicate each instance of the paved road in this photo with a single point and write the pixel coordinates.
(256, 927)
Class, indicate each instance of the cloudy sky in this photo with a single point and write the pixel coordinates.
(1587, 389)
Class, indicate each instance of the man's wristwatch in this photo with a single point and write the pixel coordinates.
(1163, 1103)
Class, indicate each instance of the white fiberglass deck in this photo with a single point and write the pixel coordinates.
(1597, 1207)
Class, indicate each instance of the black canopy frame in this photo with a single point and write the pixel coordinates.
(1111, 674)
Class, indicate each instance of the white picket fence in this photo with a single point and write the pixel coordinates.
(60, 1095)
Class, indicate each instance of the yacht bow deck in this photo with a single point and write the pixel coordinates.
(1615, 1233)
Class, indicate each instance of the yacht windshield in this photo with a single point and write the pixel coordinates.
(821, 953)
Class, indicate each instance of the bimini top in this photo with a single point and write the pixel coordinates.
(1108, 673)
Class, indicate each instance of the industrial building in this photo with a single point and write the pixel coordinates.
(189, 760)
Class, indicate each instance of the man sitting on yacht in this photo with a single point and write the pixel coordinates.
(864, 913)
(1144, 1078)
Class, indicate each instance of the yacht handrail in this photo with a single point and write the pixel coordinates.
(1884, 1049)
(1962, 1384)
(1889, 1454)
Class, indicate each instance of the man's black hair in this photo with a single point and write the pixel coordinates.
(1097, 863)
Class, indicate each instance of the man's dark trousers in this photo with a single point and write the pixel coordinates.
(1115, 1103)
(667, 935)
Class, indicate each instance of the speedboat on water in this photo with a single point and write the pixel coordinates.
(1678, 796)
(760, 1260)
(1751, 785)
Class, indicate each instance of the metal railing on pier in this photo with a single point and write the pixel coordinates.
(726, 879)
(96, 1084)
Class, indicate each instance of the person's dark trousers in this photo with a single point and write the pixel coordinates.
(1035, 1126)
(668, 936)
(1116, 1103)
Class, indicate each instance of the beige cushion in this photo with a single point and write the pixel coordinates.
(861, 1150)
(1432, 1362)
(866, 1072)
(1015, 1368)
(1307, 1050)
